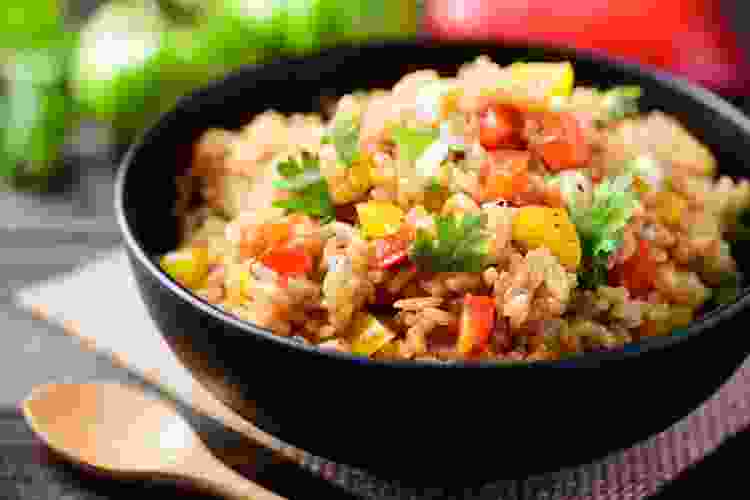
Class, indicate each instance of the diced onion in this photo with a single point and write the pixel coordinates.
(449, 136)
(429, 100)
(575, 187)
(263, 273)
(649, 169)
(428, 165)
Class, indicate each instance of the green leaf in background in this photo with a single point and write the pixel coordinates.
(116, 70)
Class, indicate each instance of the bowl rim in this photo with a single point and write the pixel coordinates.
(705, 97)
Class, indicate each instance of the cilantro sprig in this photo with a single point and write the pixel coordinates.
(344, 135)
(619, 103)
(310, 194)
(601, 225)
(459, 245)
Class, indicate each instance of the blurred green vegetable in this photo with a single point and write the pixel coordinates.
(30, 24)
(193, 55)
(360, 20)
(116, 66)
(38, 115)
(133, 59)
(247, 26)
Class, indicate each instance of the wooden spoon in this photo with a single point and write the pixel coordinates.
(121, 431)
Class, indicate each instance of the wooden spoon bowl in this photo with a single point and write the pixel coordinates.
(121, 431)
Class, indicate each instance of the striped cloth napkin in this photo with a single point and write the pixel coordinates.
(121, 328)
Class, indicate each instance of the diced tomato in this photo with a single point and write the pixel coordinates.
(504, 174)
(558, 138)
(288, 261)
(638, 273)
(477, 322)
(390, 251)
(500, 126)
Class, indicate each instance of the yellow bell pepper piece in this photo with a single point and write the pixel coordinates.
(544, 80)
(537, 226)
(380, 176)
(670, 207)
(188, 266)
(353, 185)
(640, 185)
(369, 335)
(379, 218)
(238, 285)
(359, 174)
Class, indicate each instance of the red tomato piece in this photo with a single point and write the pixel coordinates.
(288, 261)
(390, 251)
(504, 174)
(638, 273)
(476, 324)
(500, 126)
(558, 138)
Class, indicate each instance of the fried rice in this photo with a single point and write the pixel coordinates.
(503, 213)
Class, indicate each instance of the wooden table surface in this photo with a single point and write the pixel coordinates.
(41, 236)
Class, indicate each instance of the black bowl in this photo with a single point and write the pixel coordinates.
(422, 421)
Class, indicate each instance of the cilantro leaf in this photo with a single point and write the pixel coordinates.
(619, 103)
(458, 246)
(594, 272)
(622, 101)
(412, 142)
(290, 167)
(344, 135)
(297, 174)
(434, 185)
(600, 226)
(310, 190)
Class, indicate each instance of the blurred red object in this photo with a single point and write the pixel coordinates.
(694, 39)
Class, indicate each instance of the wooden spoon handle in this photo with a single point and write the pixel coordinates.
(215, 477)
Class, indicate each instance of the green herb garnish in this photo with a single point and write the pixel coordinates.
(434, 186)
(310, 190)
(621, 102)
(459, 245)
(601, 225)
(594, 272)
(344, 135)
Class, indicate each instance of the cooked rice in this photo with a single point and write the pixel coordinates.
(684, 217)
